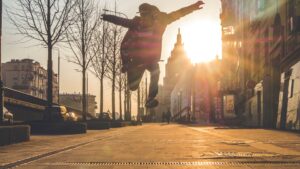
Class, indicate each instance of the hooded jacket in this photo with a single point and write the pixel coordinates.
(143, 43)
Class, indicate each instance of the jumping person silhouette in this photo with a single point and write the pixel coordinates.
(142, 44)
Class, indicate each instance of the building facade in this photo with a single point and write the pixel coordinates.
(29, 77)
(195, 96)
(176, 65)
(75, 101)
(262, 37)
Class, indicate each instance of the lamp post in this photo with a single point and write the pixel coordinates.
(1, 82)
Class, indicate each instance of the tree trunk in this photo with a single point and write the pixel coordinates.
(128, 113)
(138, 104)
(50, 77)
(114, 74)
(120, 99)
(113, 97)
(101, 95)
(84, 95)
(49, 64)
(84, 110)
(102, 67)
(125, 100)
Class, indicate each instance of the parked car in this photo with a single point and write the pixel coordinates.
(60, 113)
(8, 117)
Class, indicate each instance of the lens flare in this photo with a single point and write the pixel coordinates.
(202, 40)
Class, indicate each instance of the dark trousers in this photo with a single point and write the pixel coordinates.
(134, 77)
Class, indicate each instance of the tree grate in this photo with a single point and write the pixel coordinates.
(199, 163)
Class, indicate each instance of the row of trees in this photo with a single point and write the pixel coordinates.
(77, 26)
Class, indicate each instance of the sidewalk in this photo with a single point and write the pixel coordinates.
(160, 146)
(45, 144)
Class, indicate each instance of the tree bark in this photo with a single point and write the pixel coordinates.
(101, 95)
(138, 104)
(120, 99)
(114, 75)
(113, 98)
(83, 50)
(49, 65)
(84, 94)
(125, 100)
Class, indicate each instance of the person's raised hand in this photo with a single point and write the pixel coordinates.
(198, 4)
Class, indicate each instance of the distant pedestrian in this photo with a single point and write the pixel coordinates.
(168, 116)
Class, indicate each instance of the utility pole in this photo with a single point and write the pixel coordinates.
(1, 82)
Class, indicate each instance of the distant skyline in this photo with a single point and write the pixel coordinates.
(201, 34)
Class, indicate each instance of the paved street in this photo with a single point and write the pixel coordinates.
(159, 146)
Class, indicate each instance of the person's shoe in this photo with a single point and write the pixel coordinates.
(151, 103)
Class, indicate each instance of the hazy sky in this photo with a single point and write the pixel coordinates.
(201, 33)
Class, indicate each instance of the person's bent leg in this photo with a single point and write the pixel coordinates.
(134, 77)
(153, 88)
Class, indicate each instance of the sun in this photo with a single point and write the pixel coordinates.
(202, 40)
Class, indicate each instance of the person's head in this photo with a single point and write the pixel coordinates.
(147, 10)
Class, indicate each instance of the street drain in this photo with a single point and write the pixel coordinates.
(246, 154)
(202, 163)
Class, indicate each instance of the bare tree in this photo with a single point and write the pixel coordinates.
(81, 40)
(45, 21)
(99, 63)
(113, 60)
(121, 80)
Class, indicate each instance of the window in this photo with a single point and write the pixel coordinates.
(229, 30)
(261, 4)
(294, 16)
(292, 88)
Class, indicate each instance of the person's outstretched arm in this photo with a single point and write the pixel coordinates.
(118, 20)
(173, 16)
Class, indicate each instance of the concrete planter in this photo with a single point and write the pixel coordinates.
(44, 127)
(97, 125)
(14, 134)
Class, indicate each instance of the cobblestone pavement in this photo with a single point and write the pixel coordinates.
(159, 146)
